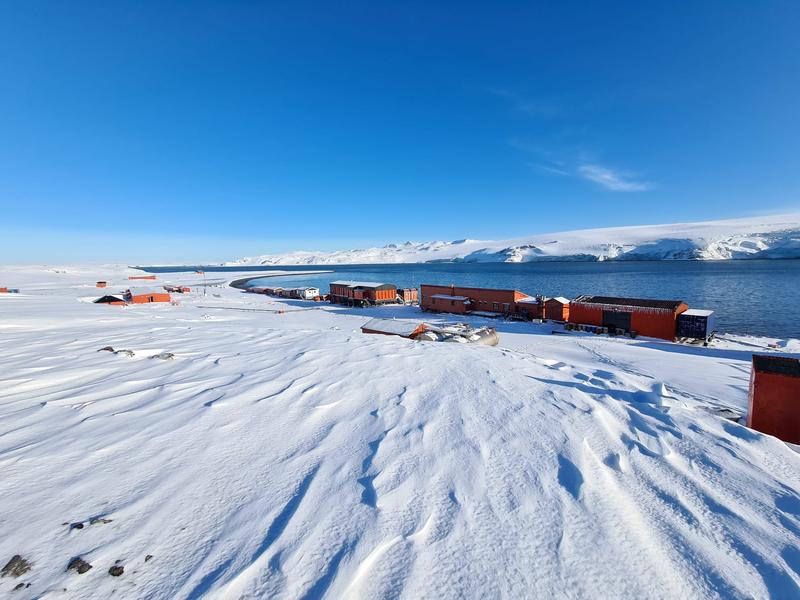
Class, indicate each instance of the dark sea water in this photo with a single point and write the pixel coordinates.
(759, 297)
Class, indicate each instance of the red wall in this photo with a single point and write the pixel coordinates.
(145, 298)
(482, 298)
(445, 305)
(774, 406)
(555, 311)
(658, 324)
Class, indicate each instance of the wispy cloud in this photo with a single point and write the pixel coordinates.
(526, 105)
(549, 169)
(615, 181)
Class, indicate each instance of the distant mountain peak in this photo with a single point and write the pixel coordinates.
(776, 236)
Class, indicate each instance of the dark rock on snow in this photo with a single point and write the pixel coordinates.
(116, 570)
(148, 557)
(76, 525)
(79, 565)
(15, 567)
(99, 521)
(106, 349)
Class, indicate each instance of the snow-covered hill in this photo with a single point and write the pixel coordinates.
(282, 453)
(776, 236)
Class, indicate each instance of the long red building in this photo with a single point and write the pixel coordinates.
(461, 300)
(652, 318)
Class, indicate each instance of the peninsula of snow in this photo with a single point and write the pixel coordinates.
(776, 236)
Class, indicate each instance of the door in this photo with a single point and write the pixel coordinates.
(616, 320)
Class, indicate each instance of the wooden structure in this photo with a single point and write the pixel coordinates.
(146, 295)
(653, 318)
(774, 406)
(362, 293)
(177, 289)
(530, 308)
(404, 329)
(303, 293)
(408, 295)
(112, 300)
(101, 284)
(556, 309)
(460, 300)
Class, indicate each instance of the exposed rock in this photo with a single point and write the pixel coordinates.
(106, 349)
(79, 565)
(124, 352)
(148, 557)
(164, 356)
(19, 586)
(116, 570)
(99, 521)
(76, 525)
(15, 567)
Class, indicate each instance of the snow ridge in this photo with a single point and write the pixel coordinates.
(776, 236)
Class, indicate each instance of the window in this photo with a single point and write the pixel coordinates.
(495, 306)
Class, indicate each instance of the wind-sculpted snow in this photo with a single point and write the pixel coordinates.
(287, 455)
(758, 237)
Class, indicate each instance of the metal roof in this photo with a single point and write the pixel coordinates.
(446, 297)
(697, 312)
(528, 300)
(632, 302)
(560, 299)
(364, 284)
(393, 326)
(778, 365)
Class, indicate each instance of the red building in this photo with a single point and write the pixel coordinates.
(653, 318)
(146, 295)
(556, 309)
(774, 406)
(101, 284)
(460, 300)
(147, 277)
(362, 293)
(177, 289)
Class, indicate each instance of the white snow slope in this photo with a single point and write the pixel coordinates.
(283, 454)
(776, 236)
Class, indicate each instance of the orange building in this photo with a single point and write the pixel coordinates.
(456, 299)
(362, 293)
(774, 406)
(146, 295)
(653, 318)
(147, 277)
(408, 295)
(556, 309)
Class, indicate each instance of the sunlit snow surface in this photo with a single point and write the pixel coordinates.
(287, 455)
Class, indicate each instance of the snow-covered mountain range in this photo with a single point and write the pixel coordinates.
(775, 236)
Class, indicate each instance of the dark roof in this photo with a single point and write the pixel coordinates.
(638, 302)
(108, 300)
(779, 365)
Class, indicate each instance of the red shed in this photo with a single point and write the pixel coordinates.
(408, 295)
(774, 406)
(111, 300)
(362, 293)
(556, 309)
(147, 277)
(653, 318)
(146, 295)
(101, 284)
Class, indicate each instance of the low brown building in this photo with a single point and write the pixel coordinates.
(457, 299)
(556, 309)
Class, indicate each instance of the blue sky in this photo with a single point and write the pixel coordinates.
(194, 131)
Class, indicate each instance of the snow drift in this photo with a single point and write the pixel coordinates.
(283, 454)
(755, 237)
